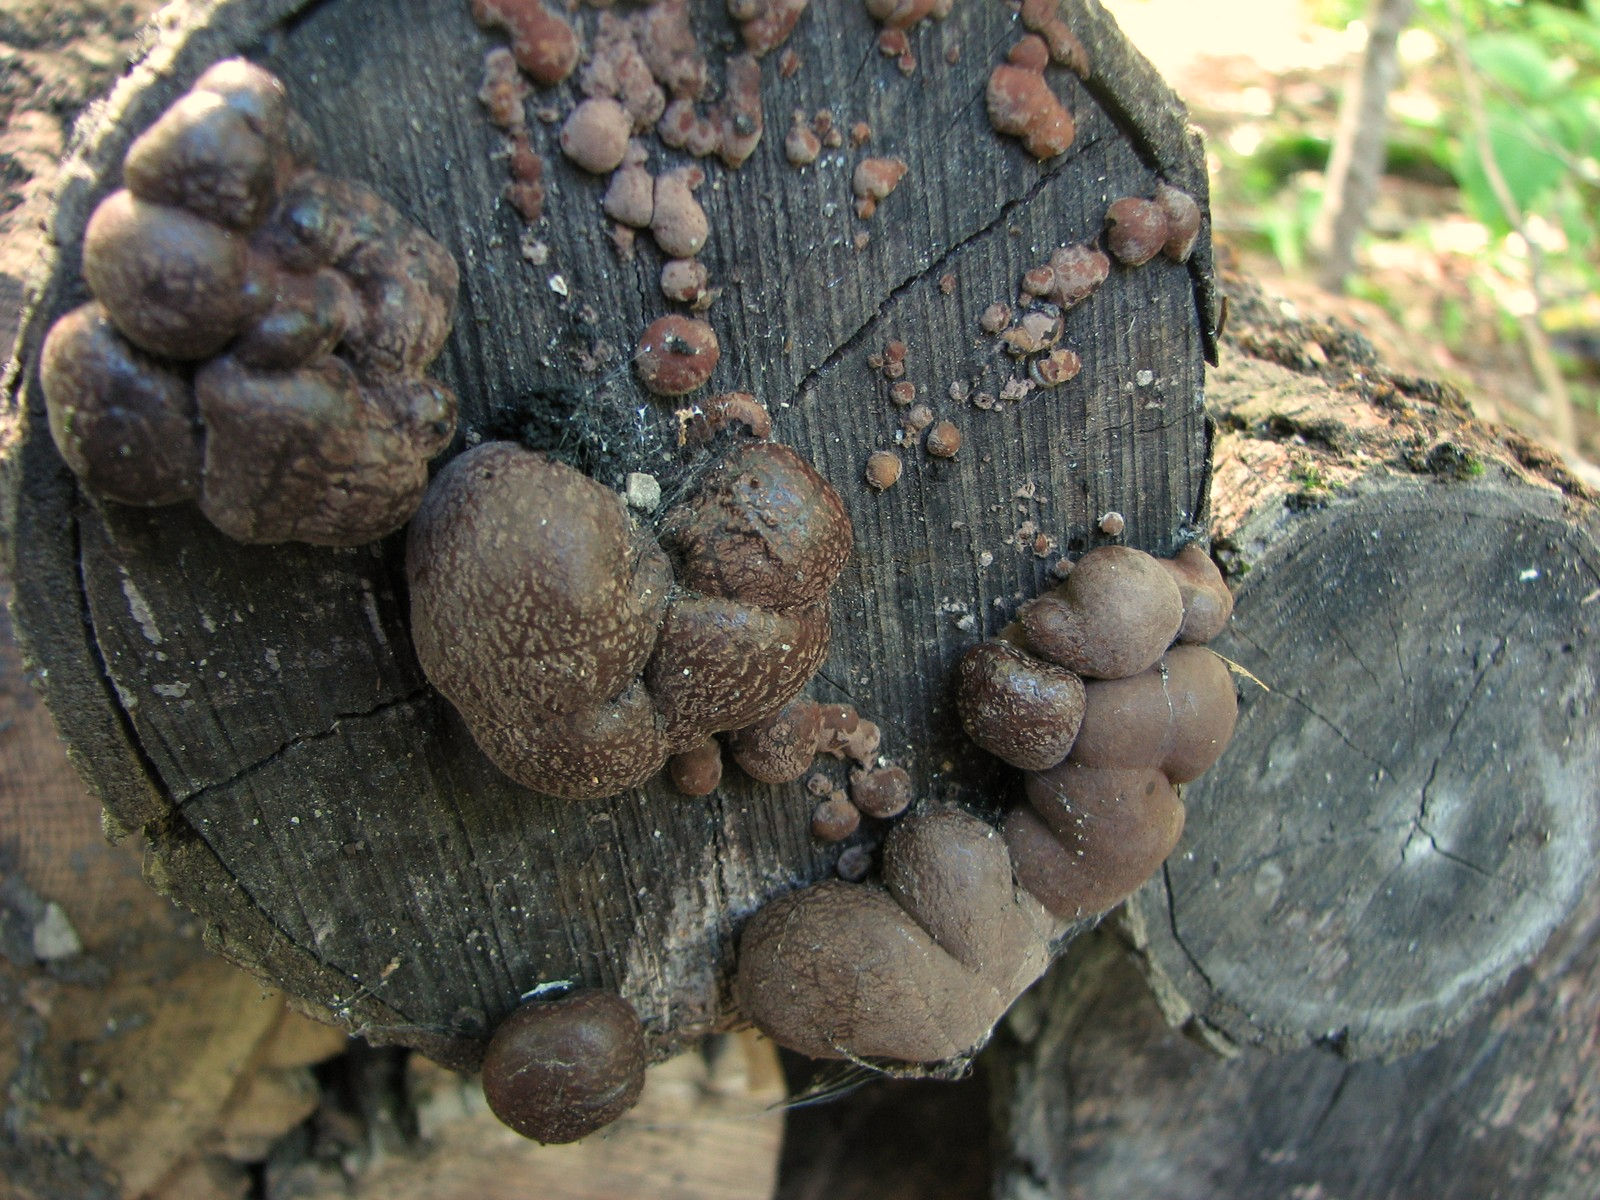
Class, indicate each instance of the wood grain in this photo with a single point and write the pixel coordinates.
(1409, 807)
(259, 711)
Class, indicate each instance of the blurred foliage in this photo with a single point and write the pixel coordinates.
(1539, 63)
(1537, 68)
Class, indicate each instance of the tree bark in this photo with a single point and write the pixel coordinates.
(258, 712)
(1355, 164)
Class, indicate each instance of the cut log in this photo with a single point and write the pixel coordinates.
(1409, 807)
(1096, 1094)
(1405, 816)
(258, 711)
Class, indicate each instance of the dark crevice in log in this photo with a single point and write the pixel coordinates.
(1177, 933)
(946, 257)
(123, 719)
(336, 726)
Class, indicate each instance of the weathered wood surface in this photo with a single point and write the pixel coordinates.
(1103, 1097)
(1414, 805)
(134, 1060)
(258, 712)
(1398, 827)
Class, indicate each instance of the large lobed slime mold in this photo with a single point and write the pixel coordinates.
(258, 333)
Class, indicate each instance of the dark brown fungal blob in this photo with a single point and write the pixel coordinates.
(174, 283)
(950, 872)
(697, 771)
(300, 309)
(1183, 221)
(944, 440)
(1136, 230)
(1104, 815)
(1044, 18)
(1017, 707)
(532, 591)
(595, 135)
(1043, 867)
(1114, 615)
(309, 316)
(1176, 717)
(1207, 602)
(125, 423)
(544, 44)
(214, 158)
(882, 792)
(722, 664)
(766, 24)
(738, 115)
(789, 526)
(676, 355)
(1071, 276)
(1022, 105)
(917, 971)
(311, 455)
(557, 1070)
(403, 281)
(599, 749)
(835, 819)
(1113, 828)
(552, 622)
(780, 748)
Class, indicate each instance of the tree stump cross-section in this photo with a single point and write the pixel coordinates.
(258, 710)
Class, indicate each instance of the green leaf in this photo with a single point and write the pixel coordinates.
(1519, 145)
(1515, 62)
